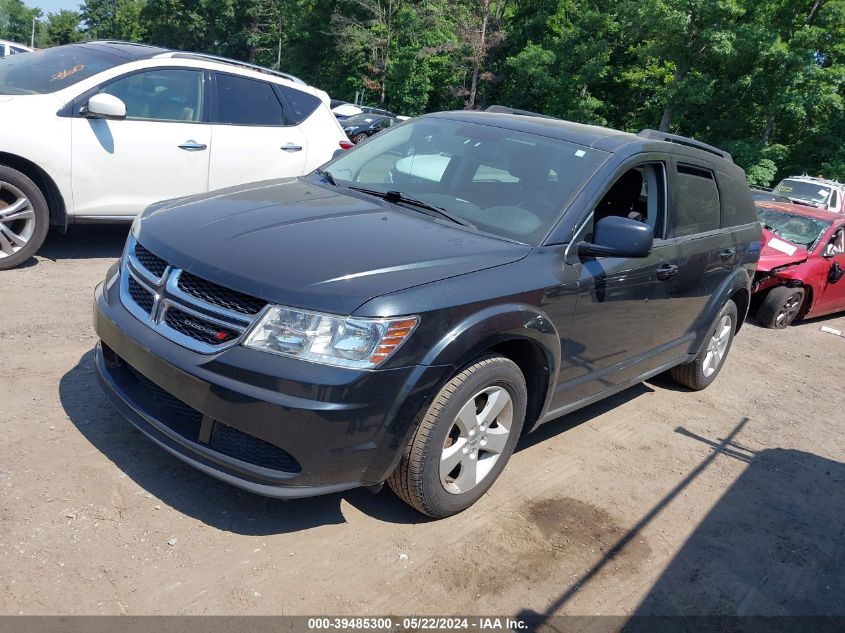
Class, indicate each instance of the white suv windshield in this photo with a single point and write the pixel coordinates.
(807, 191)
(51, 70)
(502, 181)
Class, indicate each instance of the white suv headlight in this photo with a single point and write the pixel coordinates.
(324, 338)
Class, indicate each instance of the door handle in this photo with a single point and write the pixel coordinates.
(193, 146)
(666, 271)
(290, 147)
(727, 253)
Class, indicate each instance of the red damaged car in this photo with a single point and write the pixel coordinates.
(802, 263)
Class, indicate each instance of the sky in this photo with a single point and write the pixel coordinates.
(53, 6)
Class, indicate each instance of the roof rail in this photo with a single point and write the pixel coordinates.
(234, 62)
(819, 179)
(506, 110)
(656, 135)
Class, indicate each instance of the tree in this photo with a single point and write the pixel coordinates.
(17, 21)
(63, 28)
(114, 19)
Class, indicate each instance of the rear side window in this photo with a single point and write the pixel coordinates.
(243, 101)
(737, 201)
(300, 104)
(696, 208)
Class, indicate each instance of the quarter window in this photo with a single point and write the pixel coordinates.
(300, 104)
(242, 101)
(160, 95)
(696, 208)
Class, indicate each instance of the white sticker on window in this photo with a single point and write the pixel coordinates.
(823, 192)
(580, 153)
(783, 247)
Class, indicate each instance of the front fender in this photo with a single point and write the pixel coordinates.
(493, 325)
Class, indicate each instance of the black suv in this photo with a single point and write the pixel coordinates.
(405, 313)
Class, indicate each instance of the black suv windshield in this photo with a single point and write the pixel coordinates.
(505, 182)
(798, 229)
(52, 70)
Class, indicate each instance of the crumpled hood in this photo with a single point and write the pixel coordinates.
(300, 244)
(778, 252)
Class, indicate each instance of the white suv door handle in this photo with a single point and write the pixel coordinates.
(193, 146)
(290, 147)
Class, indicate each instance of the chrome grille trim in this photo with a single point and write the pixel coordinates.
(166, 294)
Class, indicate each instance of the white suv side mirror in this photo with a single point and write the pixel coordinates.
(104, 106)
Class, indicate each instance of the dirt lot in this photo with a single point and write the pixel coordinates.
(659, 501)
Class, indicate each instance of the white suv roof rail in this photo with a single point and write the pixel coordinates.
(824, 181)
(233, 62)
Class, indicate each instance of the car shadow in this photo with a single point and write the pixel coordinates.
(771, 546)
(195, 494)
(579, 417)
(84, 241)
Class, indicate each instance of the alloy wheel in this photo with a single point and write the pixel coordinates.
(718, 345)
(17, 219)
(476, 440)
(789, 310)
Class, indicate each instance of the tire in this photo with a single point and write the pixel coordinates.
(479, 388)
(704, 368)
(359, 138)
(780, 307)
(22, 231)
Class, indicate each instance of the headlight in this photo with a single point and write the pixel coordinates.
(325, 338)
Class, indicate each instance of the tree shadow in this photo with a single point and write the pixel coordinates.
(772, 546)
(195, 494)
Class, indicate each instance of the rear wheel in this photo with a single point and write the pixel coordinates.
(708, 363)
(24, 218)
(360, 138)
(465, 439)
(780, 307)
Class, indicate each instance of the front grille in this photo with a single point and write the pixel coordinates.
(156, 265)
(193, 312)
(247, 448)
(175, 414)
(140, 295)
(220, 296)
(198, 329)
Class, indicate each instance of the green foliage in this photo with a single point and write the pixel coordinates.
(764, 79)
(63, 28)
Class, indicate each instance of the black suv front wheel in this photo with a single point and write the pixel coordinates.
(465, 439)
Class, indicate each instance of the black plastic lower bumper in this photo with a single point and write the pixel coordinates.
(272, 425)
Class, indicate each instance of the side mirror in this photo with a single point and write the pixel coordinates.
(104, 106)
(618, 237)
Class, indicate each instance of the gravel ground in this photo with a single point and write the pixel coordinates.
(658, 501)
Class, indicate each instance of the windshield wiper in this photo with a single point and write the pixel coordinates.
(327, 175)
(398, 196)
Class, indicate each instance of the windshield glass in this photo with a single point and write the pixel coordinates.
(361, 119)
(807, 191)
(792, 227)
(508, 183)
(51, 70)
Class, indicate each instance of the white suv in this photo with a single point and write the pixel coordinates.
(12, 48)
(816, 192)
(96, 132)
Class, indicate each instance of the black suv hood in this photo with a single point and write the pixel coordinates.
(295, 243)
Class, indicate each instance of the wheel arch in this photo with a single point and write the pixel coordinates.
(518, 332)
(48, 186)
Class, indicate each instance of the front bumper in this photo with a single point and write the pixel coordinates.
(276, 426)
